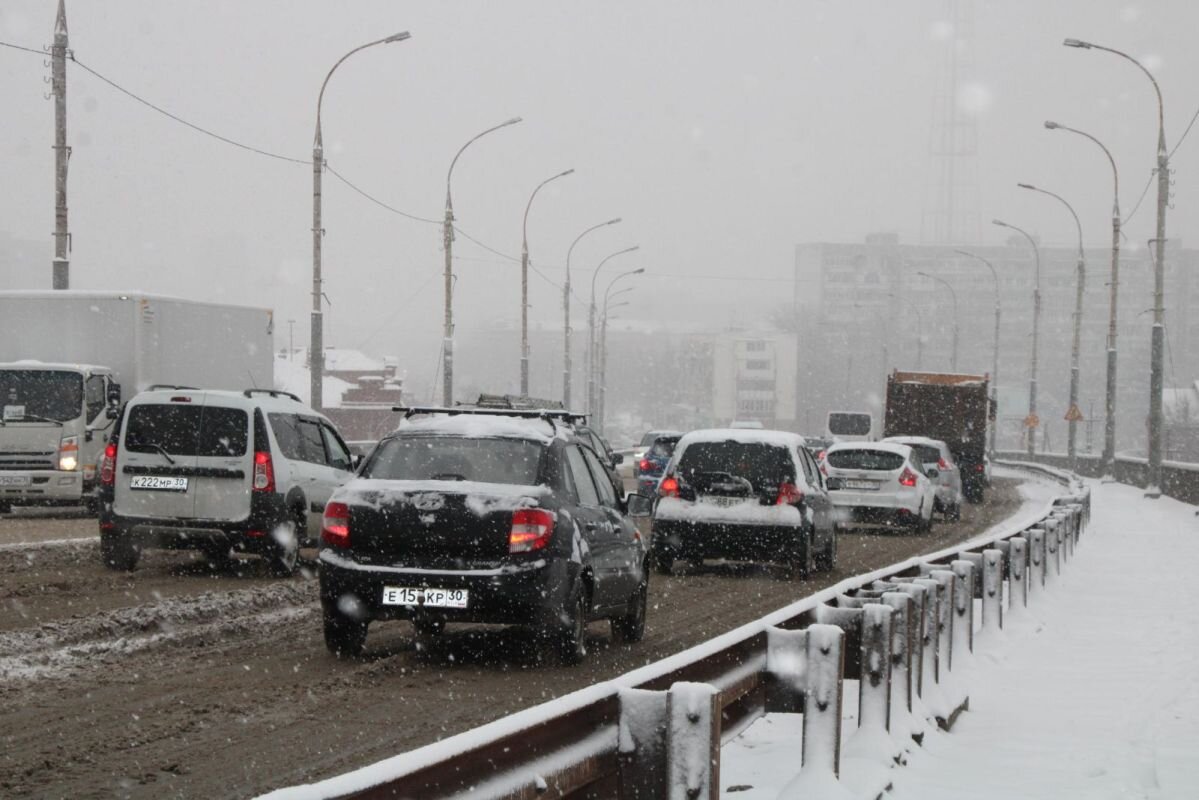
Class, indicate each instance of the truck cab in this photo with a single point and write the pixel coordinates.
(54, 419)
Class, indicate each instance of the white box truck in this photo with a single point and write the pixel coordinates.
(67, 357)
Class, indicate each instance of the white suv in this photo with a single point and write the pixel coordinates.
(935, 456)
(219, 472)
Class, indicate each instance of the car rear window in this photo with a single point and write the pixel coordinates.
(454, 458)
(882, 460)
(848, 424)
(662, 448)
(760, 463)
(208, 431)
(927, 453)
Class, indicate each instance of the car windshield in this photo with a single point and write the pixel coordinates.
(455, 458)
(30, 393)
(882, 460)
(926, 453)
(843, 423)
(760, 463)
(208, 431)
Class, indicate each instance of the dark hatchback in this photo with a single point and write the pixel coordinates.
(482, 517)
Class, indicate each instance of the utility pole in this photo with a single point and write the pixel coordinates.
(524, 285)
(1031, 421)
(995, 349)
(61, 270)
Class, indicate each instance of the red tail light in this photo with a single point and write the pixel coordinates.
(531, 530)
(820, 455)
(108, 466)
(264, 472)
(789, 495)
(646, 465)
(335, 527)
(979, 467)
(942, 464)
(669, 487)
(907, 477)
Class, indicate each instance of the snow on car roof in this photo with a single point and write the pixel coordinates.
(484, 427)
(886, 447)
(743, 436)
(924, 440)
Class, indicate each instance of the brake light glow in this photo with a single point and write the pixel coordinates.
(108, 465)
(820, 455)
(942, 464)
(646, 465)
(335, 526)
(907, 477)
(669, 487)
(979, 467)
(531, 530)
(264, 472)
(789, 495)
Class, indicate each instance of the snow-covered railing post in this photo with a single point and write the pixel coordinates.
(944, 589)
(924, 625)
(903, 636)
(872, 739)
(963, 606)
(641, 744)
(786, 670)
(1053, 551)
(1036, 562)
(824, 655)
(930, 689)
(953, 696)
(693, 742)
(1017, 586)
(992, 606)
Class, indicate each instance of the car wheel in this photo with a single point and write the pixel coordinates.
(801, 557)
(220, 557)
(284, 553)
(955, 512)
(570, 639)
(926, 523)
(631, 627)
(344, 637)
(663, 560)
(91, 504)
(119, 551)
(826, 561)
(5, 508)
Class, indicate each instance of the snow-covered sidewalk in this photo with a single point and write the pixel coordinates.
(1093, 694)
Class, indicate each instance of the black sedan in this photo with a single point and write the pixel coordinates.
(482, 517)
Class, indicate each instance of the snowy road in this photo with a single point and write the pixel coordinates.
(1091, 695)
(177, 681)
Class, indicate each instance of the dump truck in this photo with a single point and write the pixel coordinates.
(68, 357)
(952, 407)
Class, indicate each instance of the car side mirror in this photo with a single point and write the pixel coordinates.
(638, 505)
(617, 458)
(114, 395)
(356, 461)
(834, 484)
(112, 412)
(932, 472)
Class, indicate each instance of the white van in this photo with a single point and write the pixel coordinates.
(219, 472)
(850, 426)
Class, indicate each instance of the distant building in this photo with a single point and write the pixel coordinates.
(359, 390)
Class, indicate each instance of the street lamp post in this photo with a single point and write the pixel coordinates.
(919, 329)
(524, 285)
(995, 355)
(316, 347)
(602, 353)
(1157, 345)
(1036, 330)
(953, 358)
(591, 346)
(566, 361)
(1109, 426)
(1079, 285)
(447, 233)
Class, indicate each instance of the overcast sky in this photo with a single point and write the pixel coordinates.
(723, 134)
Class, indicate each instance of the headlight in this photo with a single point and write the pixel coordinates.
(68, 454)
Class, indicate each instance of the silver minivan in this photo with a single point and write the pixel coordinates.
(220, 472)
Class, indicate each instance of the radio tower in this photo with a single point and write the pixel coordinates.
(951, 204)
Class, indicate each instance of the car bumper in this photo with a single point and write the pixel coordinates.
(530, 593)
(251, 534)
(43, 487)
(691, 539)
(903, 501)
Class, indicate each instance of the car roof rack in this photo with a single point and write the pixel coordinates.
(158, 387)
(547, 414)
(517, 402)
(272, 393)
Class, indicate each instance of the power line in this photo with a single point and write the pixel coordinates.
(1144, 192)
(374, 199)
(1184, 134)
(41, 53)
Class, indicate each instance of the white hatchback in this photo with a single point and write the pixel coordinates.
(879, 482)
(940, 466)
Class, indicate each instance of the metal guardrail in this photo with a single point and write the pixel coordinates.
(587, 744)
(1180, 479)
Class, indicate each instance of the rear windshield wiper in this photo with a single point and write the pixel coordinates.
(154, 446)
